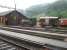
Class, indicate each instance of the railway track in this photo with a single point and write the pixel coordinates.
(33, 40)
(29, 31)
(46, 29)
(4, 45)
(24, 40)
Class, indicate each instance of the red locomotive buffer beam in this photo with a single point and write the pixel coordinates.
(63, 22)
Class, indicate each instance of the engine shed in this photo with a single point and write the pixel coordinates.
(13, 17)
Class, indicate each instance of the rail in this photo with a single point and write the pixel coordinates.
(49, 35)
(35, 39)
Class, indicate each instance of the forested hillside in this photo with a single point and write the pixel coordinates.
(36, 10)
(58, 8)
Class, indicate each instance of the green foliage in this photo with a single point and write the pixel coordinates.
(58, 8)
(33, 21)
(35, 11)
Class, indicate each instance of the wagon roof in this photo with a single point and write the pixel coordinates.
(48, 17)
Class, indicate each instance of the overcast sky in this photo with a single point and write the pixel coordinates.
(22, 4)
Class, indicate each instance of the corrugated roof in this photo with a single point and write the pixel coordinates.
(7, 12)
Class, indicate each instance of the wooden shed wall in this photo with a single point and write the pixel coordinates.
(14, 18)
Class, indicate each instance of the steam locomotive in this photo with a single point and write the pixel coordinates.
(52, 21)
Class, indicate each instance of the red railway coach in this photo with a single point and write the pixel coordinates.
(63, 22)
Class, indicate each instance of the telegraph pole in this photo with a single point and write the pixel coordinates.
(15, 12)
(15, 4)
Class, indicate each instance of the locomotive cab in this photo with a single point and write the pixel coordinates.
(48, 21)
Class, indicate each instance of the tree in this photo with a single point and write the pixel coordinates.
(58, 8)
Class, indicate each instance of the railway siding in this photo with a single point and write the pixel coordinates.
(8, 46)
(35, 39)
(49, 35)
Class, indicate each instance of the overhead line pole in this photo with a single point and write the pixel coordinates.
(15, 4)
(15, 12)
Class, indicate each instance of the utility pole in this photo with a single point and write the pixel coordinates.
(15, 4)
(15, 12)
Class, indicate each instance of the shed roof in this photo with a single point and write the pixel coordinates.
(4, 13)
(7, 12)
